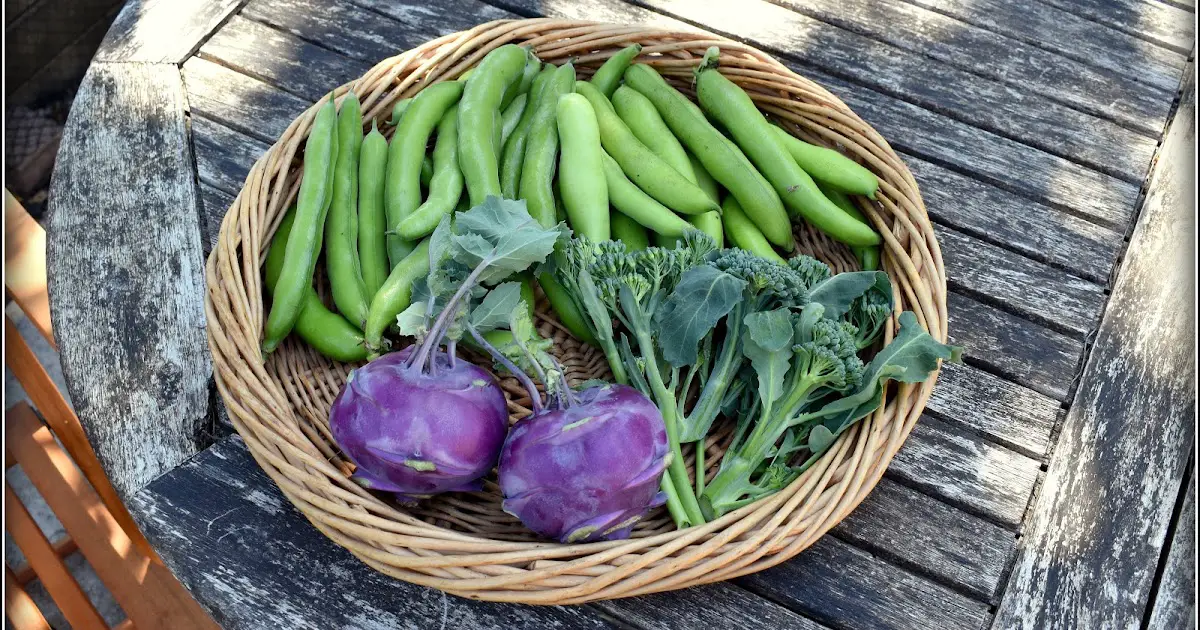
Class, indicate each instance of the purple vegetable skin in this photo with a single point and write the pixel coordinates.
(416, 434)
(589, 471)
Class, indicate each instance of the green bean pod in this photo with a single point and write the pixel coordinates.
(581, 168)
(730, 106)
(640, 164)
(402, 190)
(829, 167)
(537, 184)
(720, 157)
(565, 307)
(608, 75)
(326, 331)
(709, 222)
(513, 154)
(398, 110)
(743, 233)
(644, 121)
(372, 223)
(533, 66)
(478, 116)
(632, 202)
(629, 232)
(341, 227)
(511, 116)
(868, 256)
(426, 171)
(446, 187)
(394, 296)
(312, 204)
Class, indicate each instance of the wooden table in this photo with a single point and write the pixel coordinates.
(1049, 484)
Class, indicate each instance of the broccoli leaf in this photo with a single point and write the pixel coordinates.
(703, 296)
(767, 342)
(837, 292)
(495, 311)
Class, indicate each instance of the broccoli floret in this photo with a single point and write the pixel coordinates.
(829, 362)
(764, 277)
(868, 313)
(811, 270)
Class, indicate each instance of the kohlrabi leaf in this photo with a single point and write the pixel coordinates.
(702, 297)
(497, 306)
(500, 234)
(519, 321)
(412, 321)
(767, 342)
(840, 290)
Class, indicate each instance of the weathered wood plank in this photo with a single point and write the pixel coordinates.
(997, 160)
(1032, 355)
(306, 70)
(223, 156)
(214, 202)
(999, 216)
(244, 103)
(721, 605)
(162, 31)
(966, 470)
(1155, 22)
(938, 540)
(367, 35)
(1016, 111)
(845, 587)
(126, 303)
(1098, 526)
(1175, 602)
(1070, 35)
(247, 555)
(1008, 414)
(1033, 290)
(958, 44)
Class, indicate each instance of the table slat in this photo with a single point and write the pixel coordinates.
(1175, 602)
(134, 349)
(1157, 22)
(162, 31)
(1097, 529)
(1007, 413)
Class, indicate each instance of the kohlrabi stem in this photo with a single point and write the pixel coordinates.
(451, 353)
(437, 331)
(537, 366)
(535, 398)
(677, 475)
(568, 395)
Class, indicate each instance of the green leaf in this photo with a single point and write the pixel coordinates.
(412, 320)
(500, 233)
(910, 358)
(519, 321)
(495, 311)
(767, 342)
(840, 290)
(820, 439)
(702, 297)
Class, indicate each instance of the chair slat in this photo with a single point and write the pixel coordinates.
(146, 590)
(62, 420)
(25, 265)
(19, 607)
(47, 564)
(63, 547)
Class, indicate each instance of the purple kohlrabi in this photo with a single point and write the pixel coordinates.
(418, 432)
(589, 470)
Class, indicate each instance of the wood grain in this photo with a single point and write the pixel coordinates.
(970, 472)
(162, 31)
(214, 202)
(1175, 602)
(223, 156)
(281, 59)
(244, 103)
(1071, 35)
(844, 587)
(1156, 22)
(127, 303)
(1096, 531)
(1008, 414)
(998, 102)
(930, 537)
(721, 605)
(225, 529)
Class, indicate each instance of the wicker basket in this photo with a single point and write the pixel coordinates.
(464, 543)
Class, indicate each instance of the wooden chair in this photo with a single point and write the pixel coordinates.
(70, 479)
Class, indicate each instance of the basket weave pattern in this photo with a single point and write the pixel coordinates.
(464, 543)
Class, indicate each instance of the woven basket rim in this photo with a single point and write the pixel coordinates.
(263, 409)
